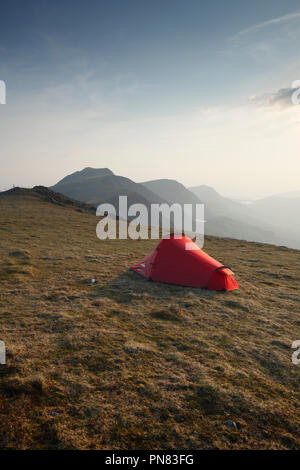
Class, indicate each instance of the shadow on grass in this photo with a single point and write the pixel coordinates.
(129, 284)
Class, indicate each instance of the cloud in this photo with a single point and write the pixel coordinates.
(274, 21)
(283, 98)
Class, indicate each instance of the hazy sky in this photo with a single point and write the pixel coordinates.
(192, 90)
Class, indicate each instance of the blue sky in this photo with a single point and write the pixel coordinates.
(151, 89)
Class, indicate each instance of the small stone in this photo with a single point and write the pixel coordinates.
(231, 424)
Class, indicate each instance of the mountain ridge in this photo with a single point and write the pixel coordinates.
(224, 216)
(45, 194)
(96, 189)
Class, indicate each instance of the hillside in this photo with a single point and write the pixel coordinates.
(45, 194)
(172, 191)
(233, 219)
(94, 186)
(223, 206)
(281, 211)
(232, 228)
(129, 364)
(272, 220)
(224, 217)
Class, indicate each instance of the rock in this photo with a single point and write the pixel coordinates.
(231, 424)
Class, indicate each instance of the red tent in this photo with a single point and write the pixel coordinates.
(171, 262)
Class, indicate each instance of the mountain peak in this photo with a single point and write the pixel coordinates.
(172, 191)
(86, 173)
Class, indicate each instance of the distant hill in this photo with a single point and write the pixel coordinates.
(172, 191)
(86, 173)
(237, 212)
(289, 194)
(97, 185)
(281, 211)
(224, 217)
(231, 228)
(223, 206)
(259, 221)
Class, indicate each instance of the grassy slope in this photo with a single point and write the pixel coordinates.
(134, 364)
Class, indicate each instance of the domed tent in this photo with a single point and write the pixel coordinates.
(171, 262)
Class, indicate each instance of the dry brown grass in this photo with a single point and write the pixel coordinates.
(131, 364)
